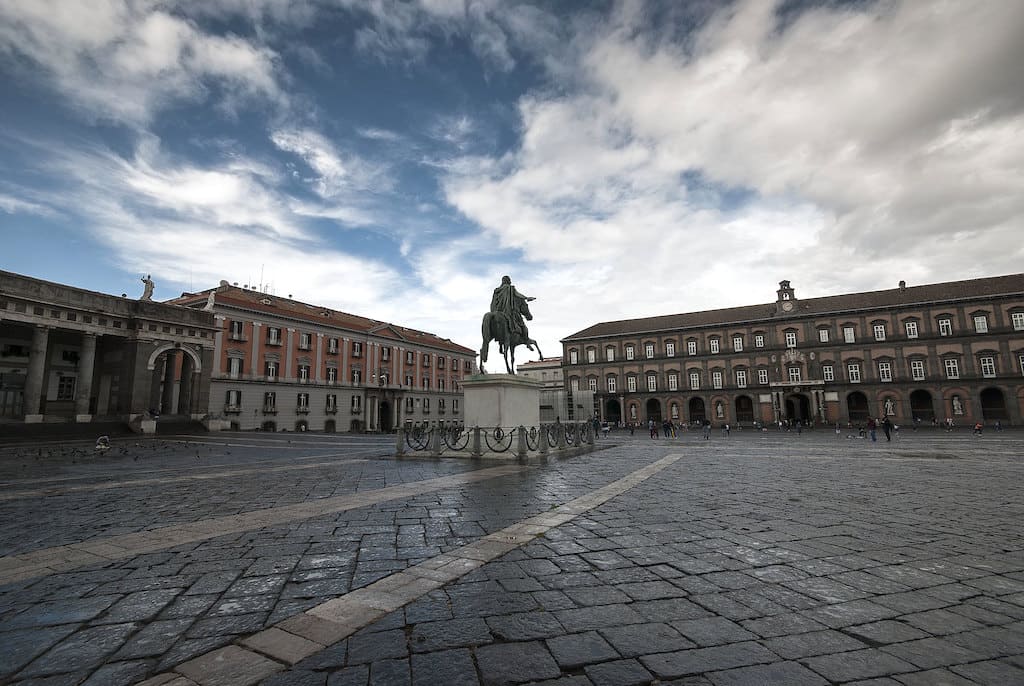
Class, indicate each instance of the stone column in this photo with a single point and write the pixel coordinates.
(170, 370)
(34, 379)
(218, 343)
(188, 369)
(86, 367)
(344, 362)
(289, 373)
(318, 372)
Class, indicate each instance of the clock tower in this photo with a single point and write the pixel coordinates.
(785, 302)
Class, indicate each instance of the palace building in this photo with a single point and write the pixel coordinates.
(281, 364)
(913, 353)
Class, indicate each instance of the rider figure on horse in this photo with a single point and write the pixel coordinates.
(506, 302)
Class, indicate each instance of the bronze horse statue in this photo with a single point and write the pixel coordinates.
(495, 327)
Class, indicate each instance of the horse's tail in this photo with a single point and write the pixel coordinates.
(485, 333)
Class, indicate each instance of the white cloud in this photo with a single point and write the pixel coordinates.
(126, 59)
(13, 205)
(864, 137)
(335, 175)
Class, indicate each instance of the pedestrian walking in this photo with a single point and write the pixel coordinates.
(873, 429)
(653, 429)
(707, 430)
(887, 429)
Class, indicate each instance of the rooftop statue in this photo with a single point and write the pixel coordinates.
(506, 323)
(147, 290)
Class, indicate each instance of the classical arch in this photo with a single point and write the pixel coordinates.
(197, 361)
(653, 408)
(922, 407)
(612, 411)
(696, 411)
(744, 409)
(993, 405)
(857, 407)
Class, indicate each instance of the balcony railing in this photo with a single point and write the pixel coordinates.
(239, 337)
(331, 410)
(301, 409)
(269, 409)
(232, 409)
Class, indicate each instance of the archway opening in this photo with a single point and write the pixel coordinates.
(857, 407)
(798, 407)
(744, 409)
(696, 410)
(922, 408)
(385, 416)
(268, 426)
(302, 425)
(612, 411)
(330, 426)
(654, 409)
(993, 405)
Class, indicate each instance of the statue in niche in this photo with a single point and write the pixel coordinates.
(719, 410)
(958, 406)
(890, 407)
(147, 291)
(506, 324)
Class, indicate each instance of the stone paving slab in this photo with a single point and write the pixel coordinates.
(755, 559)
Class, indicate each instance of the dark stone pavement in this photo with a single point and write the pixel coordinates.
(761, 558)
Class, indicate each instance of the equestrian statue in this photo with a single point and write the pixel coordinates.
(506, 323)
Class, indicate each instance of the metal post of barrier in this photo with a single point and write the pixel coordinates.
(542, 440)
(521, 448)
(561, 437)
(476, 452)
(400, 441)
(435, 441)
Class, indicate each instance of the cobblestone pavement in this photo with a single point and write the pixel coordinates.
(758, 558)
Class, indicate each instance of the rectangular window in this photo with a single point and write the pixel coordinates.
(357, 349)
(305, 341)
(1017, 319)
(274, 336)
(592, 383)
(303, 372)
(629, 352)
(670, 349)
(713, 343)
(945, 327)
(440, 406)
(794, 374)
(271, 371)
(426, 406)
(426, 359)
(455, 405)
(332, 403)
(591, 355)
(981, 324)
(762, 377)
(574, 384)
(270, 402)
(911, 328)
(332, 375)
(302, 401)
(609, 354)
(827, 373)
(917, 370)
(440, 383)
(649, 350)
(791, 339)
(879, 330)
(848, 335)
(631, 384)
(332, 346)
(408, 405)
(853, 372)
(385, 353)
(759, 340)
(716, 379)
(1020, 363)
(741, 378)
(611, 384)
(233, 400)
(410, 357)
(885, 371)
(652, 382)
(574, 357)
(426, 383)
(673, 382)
(737, 344)
(952, 368)
(988, 367)
(691, 347)
(694, 381)
(823, 335)
(357, 376)
(234, 367)
(237, 331)
(65, 388)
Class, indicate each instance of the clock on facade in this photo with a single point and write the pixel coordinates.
(787, 306)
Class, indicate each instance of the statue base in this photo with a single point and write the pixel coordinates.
(504, 400)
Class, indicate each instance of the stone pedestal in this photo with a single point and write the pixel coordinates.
(504, 400)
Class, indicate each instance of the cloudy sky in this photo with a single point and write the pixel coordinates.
(617, 159)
